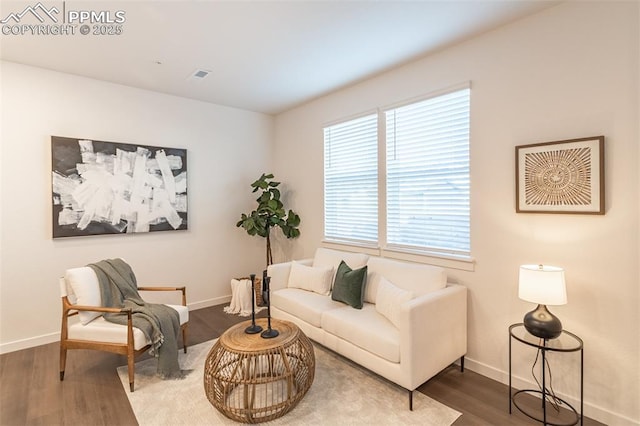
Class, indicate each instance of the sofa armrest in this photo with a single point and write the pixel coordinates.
(433, 332)
(279, 273)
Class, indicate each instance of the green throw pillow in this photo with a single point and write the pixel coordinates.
(349, 285)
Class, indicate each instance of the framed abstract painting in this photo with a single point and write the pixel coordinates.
(561, 177)
(103, 187)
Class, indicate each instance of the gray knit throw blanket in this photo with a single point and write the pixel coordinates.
(159, 323)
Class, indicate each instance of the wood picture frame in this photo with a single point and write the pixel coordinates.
(561, 177)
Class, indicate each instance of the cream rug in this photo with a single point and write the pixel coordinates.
(342, 393)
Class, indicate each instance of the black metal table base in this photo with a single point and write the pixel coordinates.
(572, 344)
(565, 404)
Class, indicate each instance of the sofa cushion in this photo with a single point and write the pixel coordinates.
(317, 279)
(328, 257)
(348, 286)
(389, 300)
(417, 278)
(306, 305)
(86, 289)
(365, 328)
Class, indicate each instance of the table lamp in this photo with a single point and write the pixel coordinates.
(543, 285)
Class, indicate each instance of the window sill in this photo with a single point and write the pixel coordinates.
(464, 263)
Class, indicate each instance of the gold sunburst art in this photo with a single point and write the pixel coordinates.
(561, 177)
(557, 178)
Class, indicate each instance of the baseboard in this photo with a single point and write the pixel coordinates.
(29, 343)
(592, 411)
(55, 337)
(209, 302)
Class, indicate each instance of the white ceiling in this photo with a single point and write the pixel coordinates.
(265, 56)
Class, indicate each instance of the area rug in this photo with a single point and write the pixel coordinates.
(342, 393)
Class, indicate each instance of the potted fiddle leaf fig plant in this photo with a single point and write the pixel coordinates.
(270, 213)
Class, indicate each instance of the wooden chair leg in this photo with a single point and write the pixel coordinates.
(462, 364)
(410, 400)
(184, 339)
(131, 369)
(63, 360)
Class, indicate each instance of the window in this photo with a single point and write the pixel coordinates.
(351, 180)
(423, 204)
(428, 174)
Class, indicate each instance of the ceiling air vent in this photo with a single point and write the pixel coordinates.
(199, 75)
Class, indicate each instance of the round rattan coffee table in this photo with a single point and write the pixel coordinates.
(250, 379)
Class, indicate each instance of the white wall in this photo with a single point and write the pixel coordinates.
(569, 72)
(227, 149)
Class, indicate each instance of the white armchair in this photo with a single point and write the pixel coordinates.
(80, 294)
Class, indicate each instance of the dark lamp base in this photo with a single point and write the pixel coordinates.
(253, 329)
(542, 323)
(269, 333)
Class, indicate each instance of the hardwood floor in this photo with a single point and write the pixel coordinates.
(91, 394)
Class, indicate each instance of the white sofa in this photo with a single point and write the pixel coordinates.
(412, 324)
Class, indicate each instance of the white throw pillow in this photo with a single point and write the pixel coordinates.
(316, 279)
(84, 284)
(417, 278)
(389, 299)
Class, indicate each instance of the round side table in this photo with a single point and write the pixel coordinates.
(250, 379)
(565, 343)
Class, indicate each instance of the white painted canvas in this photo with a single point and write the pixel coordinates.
(113, 188)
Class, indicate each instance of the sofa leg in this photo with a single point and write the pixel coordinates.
(410, 400)
(462, 364)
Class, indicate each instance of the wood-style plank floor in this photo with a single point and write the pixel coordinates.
(91, 394)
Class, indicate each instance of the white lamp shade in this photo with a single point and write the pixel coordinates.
(542, 284)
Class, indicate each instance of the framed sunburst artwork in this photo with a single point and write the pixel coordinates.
(561, 177)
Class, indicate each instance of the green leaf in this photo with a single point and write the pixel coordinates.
(263, 198)
(293, 219)
(290, 232)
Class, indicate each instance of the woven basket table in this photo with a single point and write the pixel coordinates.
(252, 380)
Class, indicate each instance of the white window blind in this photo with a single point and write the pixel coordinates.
(428, 174)
(351, 180)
